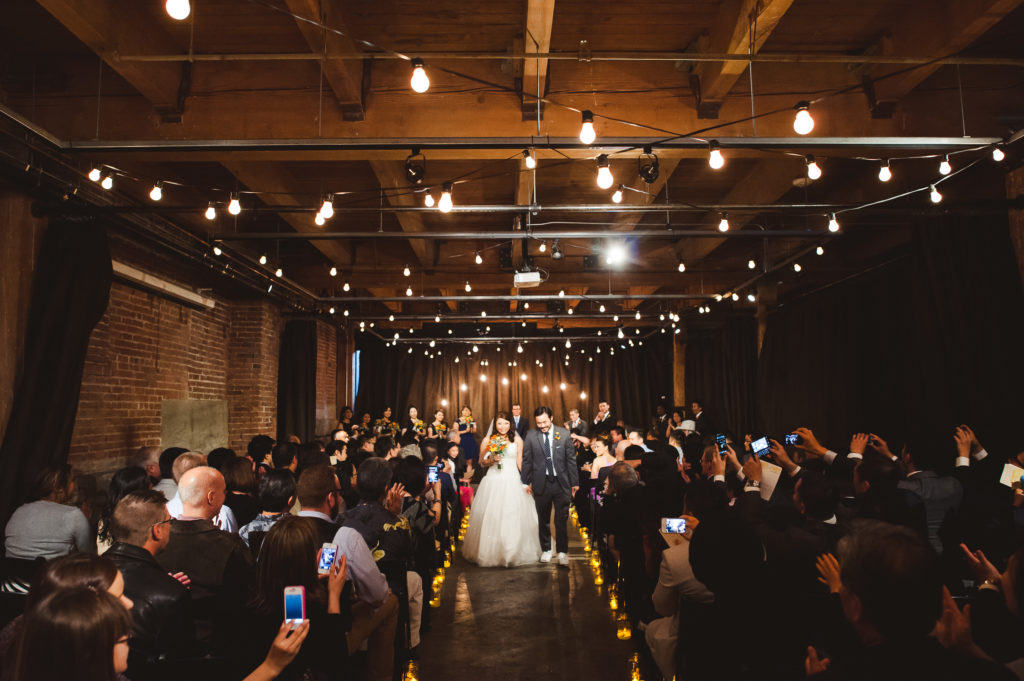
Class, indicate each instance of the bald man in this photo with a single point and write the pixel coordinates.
(225, 518)
(218, 562)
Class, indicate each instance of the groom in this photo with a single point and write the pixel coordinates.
(550, 475)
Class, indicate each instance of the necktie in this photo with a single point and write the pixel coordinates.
(547, 455)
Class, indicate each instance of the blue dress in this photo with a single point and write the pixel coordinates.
(467, 441)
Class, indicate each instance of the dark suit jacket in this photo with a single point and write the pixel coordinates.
(602, 427)
(522, 426)
(563, 455)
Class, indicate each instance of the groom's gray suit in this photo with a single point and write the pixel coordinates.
(551, 489)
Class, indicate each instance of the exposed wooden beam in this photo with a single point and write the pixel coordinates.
(392, 174)
(387, 293)
(345, 76)
(540, 15)
(942, 29)
(110, 28)
(741, 26)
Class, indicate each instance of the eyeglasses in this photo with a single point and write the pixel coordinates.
(162, 522)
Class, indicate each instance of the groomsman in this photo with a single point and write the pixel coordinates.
(519, 423)
(603, 421)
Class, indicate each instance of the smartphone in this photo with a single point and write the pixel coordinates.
(431, 474)
(761, 447)
(294, 604)
(794, 439)
(723, 448)
(673, 525)
(328, 552)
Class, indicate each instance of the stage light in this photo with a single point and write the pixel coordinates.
(813, 169)
(157, 192)
(715, 158)
(997, 155)
(530, 159)
(615, 255)
(445, 203)
(885, 172)
(587, 134)
(833, 224)
(234, 207)
(648, 166)
(178, 9)
(415, 167)
(95, 174)
(944, 167)
(617, 195)
(803, 122)
(935, 195)
(723, 224)
(211, 212)
(420, 82)
(604, 173)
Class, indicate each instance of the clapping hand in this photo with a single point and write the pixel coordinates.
(813, 665)
(393, 500)
(980, 567)
(828, 572)
(963, 443)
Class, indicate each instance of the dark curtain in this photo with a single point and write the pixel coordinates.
(70, 291)
(720, 365)
(917, 346)
(296, 381)
(631, 380)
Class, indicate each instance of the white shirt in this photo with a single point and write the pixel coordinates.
(371, 585)
(225, 520)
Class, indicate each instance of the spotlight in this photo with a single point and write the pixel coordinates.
(885, 172)
(604, 173)
(715, 158)
(648, 166)
(587, 134)
(445, 204)
(556, 251)
(803, 123)
(813, 169)
(935, 195)
(419, 82)
(529, 158)
(234, 207)
(178, 9)
(415, 167)
(211, 212)
(615, 255)
(833, 224)
(617, 196)
(157, 192)
(723, 224)
(944, 167)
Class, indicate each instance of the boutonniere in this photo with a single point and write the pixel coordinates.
(557, 436)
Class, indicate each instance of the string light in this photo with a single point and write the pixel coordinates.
(601, 308)
(723, 224)
(345, 287)
(604, 172)
(803, 123)
(428, 200)
(885, 172)
(408, 291)
(735, 296)
(319, 219)
(833, 224)
(406, 271)
(617, 196)
(216, 250)
(95, 174)
(391, 317)
(813, 169)
(544, 389)
(157, 192)
(583, 395)
(935, 195)
(437, 318)
(526, 306)
(330, 311)
(468, 287)
(211, 212)
(682, 266)
(479, 260)
(178, 9)
(751, 297)
(107, 182)
(997, 154)
(637, 315)
(820, 250)
(234, 207)
(543, 246)
(621, 333)
(333, 272)
(796, 267)
(751, 264)
(504, 380)
(445, 203)
(522, 377)
(615, 318)
(587, 133)
(568, 344)
(944, 167)
(530, 159)
(715, 158)
(570, 311)
(263, 259)
(420, 82)
(327, 209)
(278, 273)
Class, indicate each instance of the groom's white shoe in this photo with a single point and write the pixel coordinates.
(563, 560)
(545, 557)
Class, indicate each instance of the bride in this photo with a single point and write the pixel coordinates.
(503, 524)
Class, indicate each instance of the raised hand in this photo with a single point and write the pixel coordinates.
(781, 455)
(810, 443)
(751, 468)
(953, 628)
(880, 445)
(812, 665)
(963, 442)
(980, 566)
(285, 647)
(717, 464)
(828, 572)
(859, 442)
(393, 501)
(975, 445)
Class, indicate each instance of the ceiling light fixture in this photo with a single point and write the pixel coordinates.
(587, 134)
(211, 212)
(420, 82)
(813, 169)
(178, 9)
(885, 172)
(157, 192)
(415, 167)
(234, 207)
(529, 158)
(803, 123)
(604, 173)
(445, 203)
(715, 158)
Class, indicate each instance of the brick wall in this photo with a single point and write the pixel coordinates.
(326, 378)
(254, 339)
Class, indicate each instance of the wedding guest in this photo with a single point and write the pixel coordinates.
(259, 449)
(185, 462)
(319, 492)
(148, 458)
(167, 483)
(218, 457)
(122, 483)
(241, 486)
(50, 526)
(603, 420)
(275, 493)
(519, 422)
(602, 456)
(285, 455)
(345, 418)
(387, 533)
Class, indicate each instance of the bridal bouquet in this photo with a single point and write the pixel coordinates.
(496, 447)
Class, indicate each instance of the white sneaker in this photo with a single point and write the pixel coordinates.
(563, 560)
(545, 557)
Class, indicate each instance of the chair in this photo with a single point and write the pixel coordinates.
(395, 572)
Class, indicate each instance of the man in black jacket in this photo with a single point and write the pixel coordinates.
(319, 493)
(161, 624)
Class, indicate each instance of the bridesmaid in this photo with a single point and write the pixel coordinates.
(364, 425)
(467, 439)
(413, 423)
(438, 428)
(383, 425)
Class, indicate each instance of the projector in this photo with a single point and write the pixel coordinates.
(526, 279)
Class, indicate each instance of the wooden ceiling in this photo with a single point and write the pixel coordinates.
(310, 111)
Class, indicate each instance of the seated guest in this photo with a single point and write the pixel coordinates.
(410, 446)
(241, 486)
(76, 633)
(603, 456)
(218, 563)
(386, 533)
(148, 459)
(186, 461)
(50, 526)
(259, 450)
(167, 484)
(122, 483)
(220, 456)
(285, 455)
(319, 493)
(289, 558)
(161, 623)
(385, 447)
(310, 454)
(275, 494)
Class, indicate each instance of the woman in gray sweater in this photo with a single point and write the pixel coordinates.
(51, 526)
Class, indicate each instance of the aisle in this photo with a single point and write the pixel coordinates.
(535, 623)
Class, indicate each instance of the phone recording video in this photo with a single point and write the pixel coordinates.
(794, 439)
(432, 474)
(673, 525)
(761, 447)
(723, 447)
(294, 604)
(328, 552)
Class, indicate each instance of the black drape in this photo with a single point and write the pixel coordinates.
(921, 345)
(70, 291)
(631, 379)
(296, 381)
(721, 362)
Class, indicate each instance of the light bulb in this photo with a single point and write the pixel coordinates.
(263, 260)
(420, 82)
(391, 317)
(681, 267)
(216, 250)
(157, 192)
(408, 291)
(820, 250)
(944, 167)
(637, 315)
(833, 224)
(587, 134)
(234, 207)
(178, 9)
(561, 293)
(570, 311)
(406, 272)
(278, 273)
(333, 271)
(803, 123)
(621, 334)
(796, 267)
(617, 196)
(751, 297)
(604, 173)
(583, 396)
(95, 174)
(108, 182)
(522, 377)
(543, 246)
(530, 159)
(615, 318)
(445, 204)
(428, 200)
(615, 255)
(544, 389)
(735, 296)
(479, 260)
(885, 172)
(327, 209)
(526, 306)
(476, 349)
(601, 309)
(715, 158)
(751, 264)
(483, 377)
(331, 311)
(319, 220)
(346, 287)
(997, 155)
(935, 195)
(813, 169)
(468, 287)
(483, 313)
(723, 224)
(211, 212)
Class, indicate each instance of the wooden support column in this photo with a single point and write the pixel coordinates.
(1014, 189)
(679, 367)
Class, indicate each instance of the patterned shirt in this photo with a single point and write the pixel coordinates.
(261, 523)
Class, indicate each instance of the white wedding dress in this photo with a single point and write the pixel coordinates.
(503, 522)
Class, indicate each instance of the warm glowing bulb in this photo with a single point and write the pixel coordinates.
(531, 160)
(885, 173)
(833, 224)
(178, 9)
(234, 207)
(216, 250)
(602, 308)
(587, 133)
(319, 220)
(108, 182)
(751, 264)
(408, 291)
(568, 344)
(751, 297)
(617, 196)
(723, 224)
(543, 246)
(95, 174)
(813, 169)
(715, 159)
(997, 155)
(331, 311)
(468, 287)
(346, 287)
(735, 296)
(157, 192)
(327, 210)
(263, 260)
(803, 123)
(420, 82)
(935, 195)
(570, 311)
(682, 267)
(820, 250)
(211, 212)
(796, 267)
(621, 334)
(944, 167)
(522, 377)
(428, 200)
(604, 173)
(406, 272)
(479, 260)
(445, 204)
(278, 273)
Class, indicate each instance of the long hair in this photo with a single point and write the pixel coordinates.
(70, 571)
(71, 634)
(287, 558)
(504, 415)
(54, 484)
(122, 483)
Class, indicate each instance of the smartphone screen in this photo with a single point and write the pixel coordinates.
(431, 474)
(760, 447)
(673, 525)
(792, 439)
(294, 604)
(723, 448)
(327, 555)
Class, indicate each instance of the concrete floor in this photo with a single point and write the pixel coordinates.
(536, 623)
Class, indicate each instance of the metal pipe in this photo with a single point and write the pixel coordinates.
(503, 236)
(520, 298)
(627, 318)
(495, 340)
